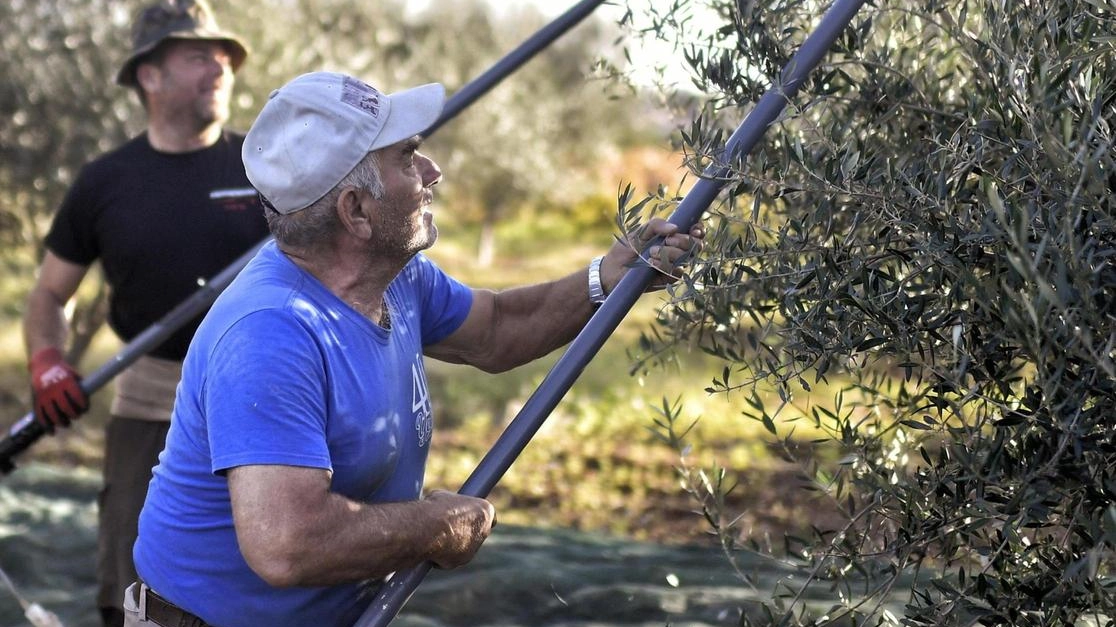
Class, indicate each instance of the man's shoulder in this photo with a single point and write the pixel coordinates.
(136, 154)
(129, 152)
(268, 283)
(422, 270)
(418, 265)
(139, 148)
(118, 163)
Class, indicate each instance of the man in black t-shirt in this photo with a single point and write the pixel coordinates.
(163, 214)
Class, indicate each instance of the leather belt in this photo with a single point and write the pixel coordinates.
(162, 612)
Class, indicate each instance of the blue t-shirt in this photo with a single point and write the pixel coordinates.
(282, 371)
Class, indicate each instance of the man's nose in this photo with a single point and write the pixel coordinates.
(219, 66)
(431, 173)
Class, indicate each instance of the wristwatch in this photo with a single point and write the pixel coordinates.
(596, 290)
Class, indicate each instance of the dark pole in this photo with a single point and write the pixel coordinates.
(561, 377)
(26, 431)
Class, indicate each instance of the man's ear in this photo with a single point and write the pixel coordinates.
(147, 77)
(354, 212)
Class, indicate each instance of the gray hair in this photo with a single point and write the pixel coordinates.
(313, 226)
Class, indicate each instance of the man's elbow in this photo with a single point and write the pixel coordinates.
(493, 366)
(490, 357)
(281, 565)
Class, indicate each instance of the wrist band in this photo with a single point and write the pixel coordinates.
(596, 290)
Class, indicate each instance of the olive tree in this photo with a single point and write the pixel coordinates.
(532, 143)
(911, 284)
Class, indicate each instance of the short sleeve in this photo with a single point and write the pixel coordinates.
(73, 234)
(265, 394)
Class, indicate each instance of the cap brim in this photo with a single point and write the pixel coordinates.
(412, 112)
(238, 52)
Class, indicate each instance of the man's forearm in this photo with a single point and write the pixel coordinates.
(535, 320)
(44, 322)
(294, 532)
(349, 542)
(512, 327)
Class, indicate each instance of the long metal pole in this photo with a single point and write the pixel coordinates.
(26, 431)
(394, 594)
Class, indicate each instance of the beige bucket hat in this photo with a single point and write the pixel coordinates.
(176, 19)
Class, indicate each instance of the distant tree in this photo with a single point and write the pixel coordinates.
(530, 142)
(58, 103)
(292, 37)
(920, 261)
(59, 107)
(536, 139)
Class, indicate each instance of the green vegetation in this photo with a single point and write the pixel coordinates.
(931, 224)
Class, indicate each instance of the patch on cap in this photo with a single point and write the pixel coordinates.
(361, 96)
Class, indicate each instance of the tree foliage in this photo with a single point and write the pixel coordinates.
(920, 261)
(52, 116)
(532, 143)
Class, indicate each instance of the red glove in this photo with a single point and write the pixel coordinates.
(55, 385)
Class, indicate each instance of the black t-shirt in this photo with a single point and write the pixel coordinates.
(162, 225)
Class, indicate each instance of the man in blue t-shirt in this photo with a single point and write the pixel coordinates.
(293, 470)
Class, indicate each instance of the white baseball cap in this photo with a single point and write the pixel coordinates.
(315, 129)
